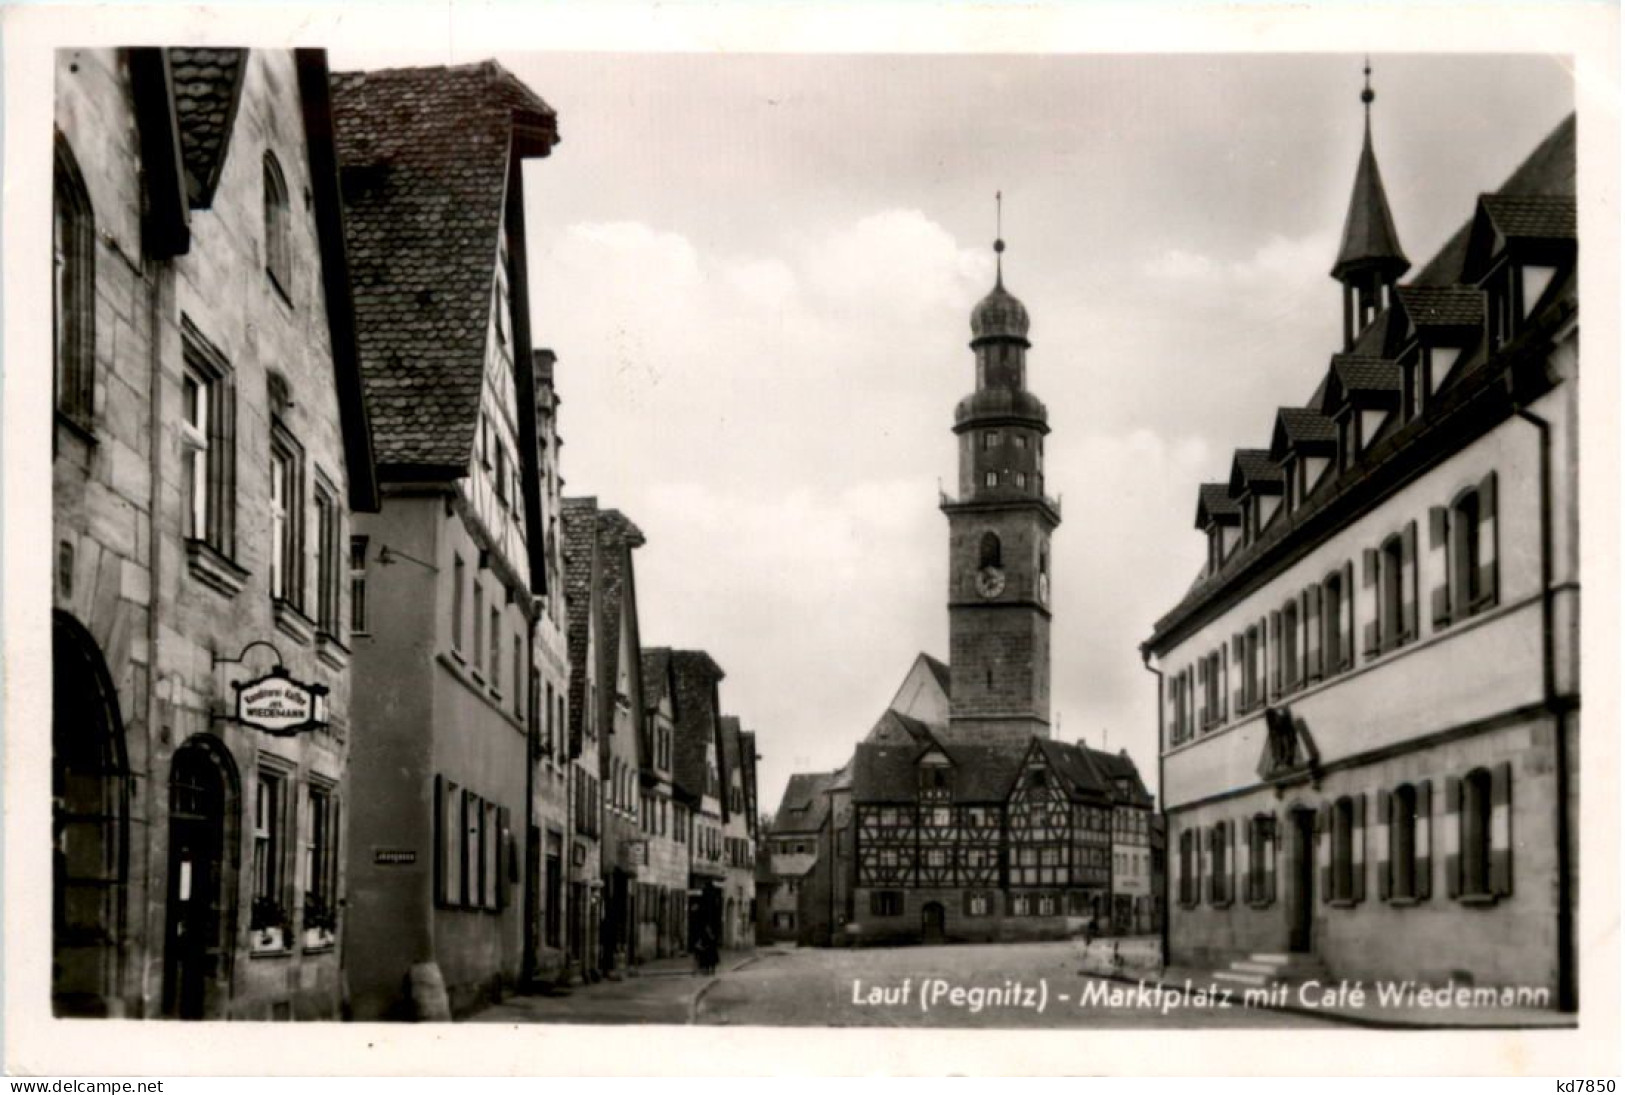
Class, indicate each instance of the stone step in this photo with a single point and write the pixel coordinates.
(1241, 978)
(1264, 968)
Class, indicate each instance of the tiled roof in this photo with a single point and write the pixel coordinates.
(1213, 501)
(1550, 171)
(804, 805)
(697, 676)
(617, 536)
(656, 676)
(1531, 216)
(207, 85)
(1369, 238)
(1442, 305)
(896, 727)
(1076, 766)
(425, 158)
(981, 773)
(580, 516)
(1303, 426)
(1362, 373)
(1117, 766)
(1254, 466)
(940, 672)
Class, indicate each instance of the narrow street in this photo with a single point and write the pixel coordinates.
(1002, 986)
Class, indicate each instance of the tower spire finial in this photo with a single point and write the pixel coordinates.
(998, 240)
(1367, 94)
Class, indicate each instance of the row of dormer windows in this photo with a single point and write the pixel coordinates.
(1312, 634)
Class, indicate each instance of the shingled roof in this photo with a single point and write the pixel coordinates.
(980, 773)
(1120, 766)
(941, 672)
(580, 519)
(657, 684)
(1369, 237)
(1213, 501)
(697, 676)
(208, 84)
(617, 536)
(1255, 469)
(805, 804)
(425, 155)
(1536, 198)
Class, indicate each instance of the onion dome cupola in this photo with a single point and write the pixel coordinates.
(999, 314)
(1370, 259)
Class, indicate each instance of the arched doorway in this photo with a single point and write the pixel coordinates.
(201, 921)
(90, 799)
(934, 922)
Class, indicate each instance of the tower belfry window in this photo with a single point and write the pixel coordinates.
(992, 552)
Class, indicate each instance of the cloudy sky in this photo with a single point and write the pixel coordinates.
(757, 272)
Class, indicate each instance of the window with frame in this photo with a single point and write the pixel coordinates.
(287, 519)
(1333, 642)
(449, 842)
(1187, 868)
(268, 913)
(459, 579)
(358, 585)
(991, 479)
(320, 914)
(1261, 840)
(1343, 837)
(1219, 879)
(73, 288)
(1403, 809)
(495, 668)
(518, 676)
(209, 440)
(1476, 817)
(1288, 650)
(328, 528)
(478, 662)
(278, 227)
(473, 826)
(990, 440)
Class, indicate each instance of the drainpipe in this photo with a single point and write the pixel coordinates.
(527, 965)
(156, 942)
(1567, 990)
(1162, 797)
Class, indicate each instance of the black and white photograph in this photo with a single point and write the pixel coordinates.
(982, 534)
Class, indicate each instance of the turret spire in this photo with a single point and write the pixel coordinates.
(998, 238)
(1370, 259)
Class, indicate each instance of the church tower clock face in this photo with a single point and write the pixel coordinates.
(999, 531)
(990, 582)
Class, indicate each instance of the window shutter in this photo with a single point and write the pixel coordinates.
(1323, 850)
(1424, 839)
(1373, 627)
(1222, 688)
(1407, 583)
(1358, 867)
(1346, 647)
(1487, 570)
(1245, 854)
(1271, 850)
(1501, 829)
(1230, 890)
(1275, 666)
(1170, 685)
(1201, 691)
(1439, 564)
(1264, 646)
(1239, 645)
(1385, 815)
(1452, 836)
(1207, 863)
(440, 863)
(1312, 644)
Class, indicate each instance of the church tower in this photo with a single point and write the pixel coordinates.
(999, 538)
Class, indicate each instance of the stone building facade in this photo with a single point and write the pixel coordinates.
(453, 565)
(210, 442)
(698, 781)
(738, 836)
(1370, 697)
(791, 845)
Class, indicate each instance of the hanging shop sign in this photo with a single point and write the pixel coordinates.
(277, 703)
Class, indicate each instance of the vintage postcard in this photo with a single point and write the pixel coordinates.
(899, 536)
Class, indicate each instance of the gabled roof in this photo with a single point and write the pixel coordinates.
(805, 804)
(1299, 429)
(697, 725)
(580, 519)
(617, 536)
(1075, 764)
(1213, 503)
(1362, 378)
(657, 680)
(895, 727)
(208, 84)
(940, 671)
(1369, 238)
(1442, 306)
(426, 158)
(1120, 766)
(1539, 226)
(1253, 468)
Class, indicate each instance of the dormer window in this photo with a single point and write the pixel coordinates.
(1290, 495)
(1345, 441)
